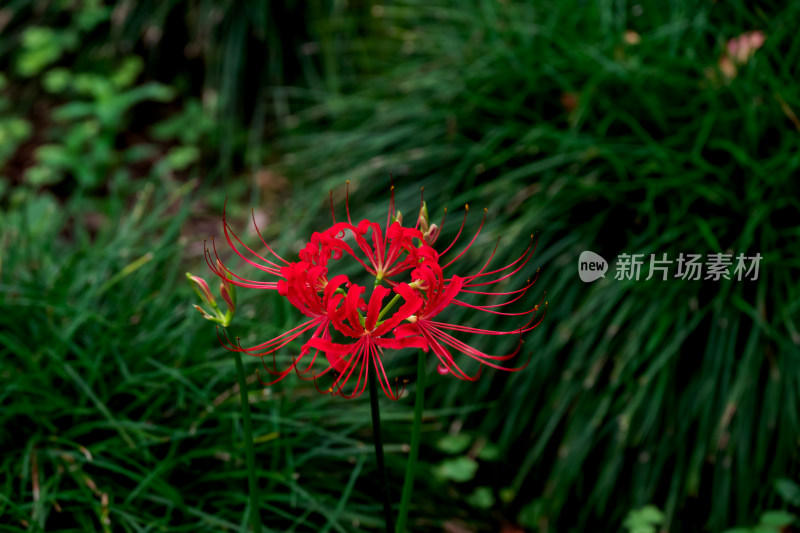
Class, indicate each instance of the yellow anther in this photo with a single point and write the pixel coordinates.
(485, 210)
(466, 206)
(347, 182)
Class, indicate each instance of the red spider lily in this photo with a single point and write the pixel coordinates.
(305, 284)
(337, 307)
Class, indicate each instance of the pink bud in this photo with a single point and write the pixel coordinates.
(432, 234)
(225, 293)
(740, 49)
(202, 287)
(221, 270)
(757, 39)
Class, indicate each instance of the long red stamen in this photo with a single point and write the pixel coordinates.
(446, 359)
(505, 276)
(526, 254)
(529, 326)
(226, 228)
(255, 225)
(528, 285)
(487, 309)
(456, 258)
(381, 373)
(466, 210)
(244, 283)
(391, 208)
(347, 201)
(362, 375)
(441, 226)
(351, 364)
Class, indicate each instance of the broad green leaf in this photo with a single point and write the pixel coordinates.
(777, 518)
(454, 444)
(459, 469)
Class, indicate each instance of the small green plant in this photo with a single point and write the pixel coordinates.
(645, 519)
(41, 46)
(86, 128)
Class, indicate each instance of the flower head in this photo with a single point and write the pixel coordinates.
(354, 325)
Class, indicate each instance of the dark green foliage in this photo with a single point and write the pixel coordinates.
(641, 397)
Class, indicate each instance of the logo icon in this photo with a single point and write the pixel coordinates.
(591, 266)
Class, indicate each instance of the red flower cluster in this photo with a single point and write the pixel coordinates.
(363, 326)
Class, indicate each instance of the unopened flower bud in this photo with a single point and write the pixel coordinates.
(423, 218)
(207, 299)
(228, 293)
(201, 288)
(432, 234)
(398, 217)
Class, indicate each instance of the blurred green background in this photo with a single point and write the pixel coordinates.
(617, 127)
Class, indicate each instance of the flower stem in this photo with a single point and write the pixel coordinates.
(255, 519)
(389, 306)
(416, 430)
(376, 436)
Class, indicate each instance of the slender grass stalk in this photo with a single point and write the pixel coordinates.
(416, 430)
(376, 436)
(255, 519)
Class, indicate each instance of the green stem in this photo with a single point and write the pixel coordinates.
(389, 306)
(376, 436)
(416, 430)
(255, 519)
